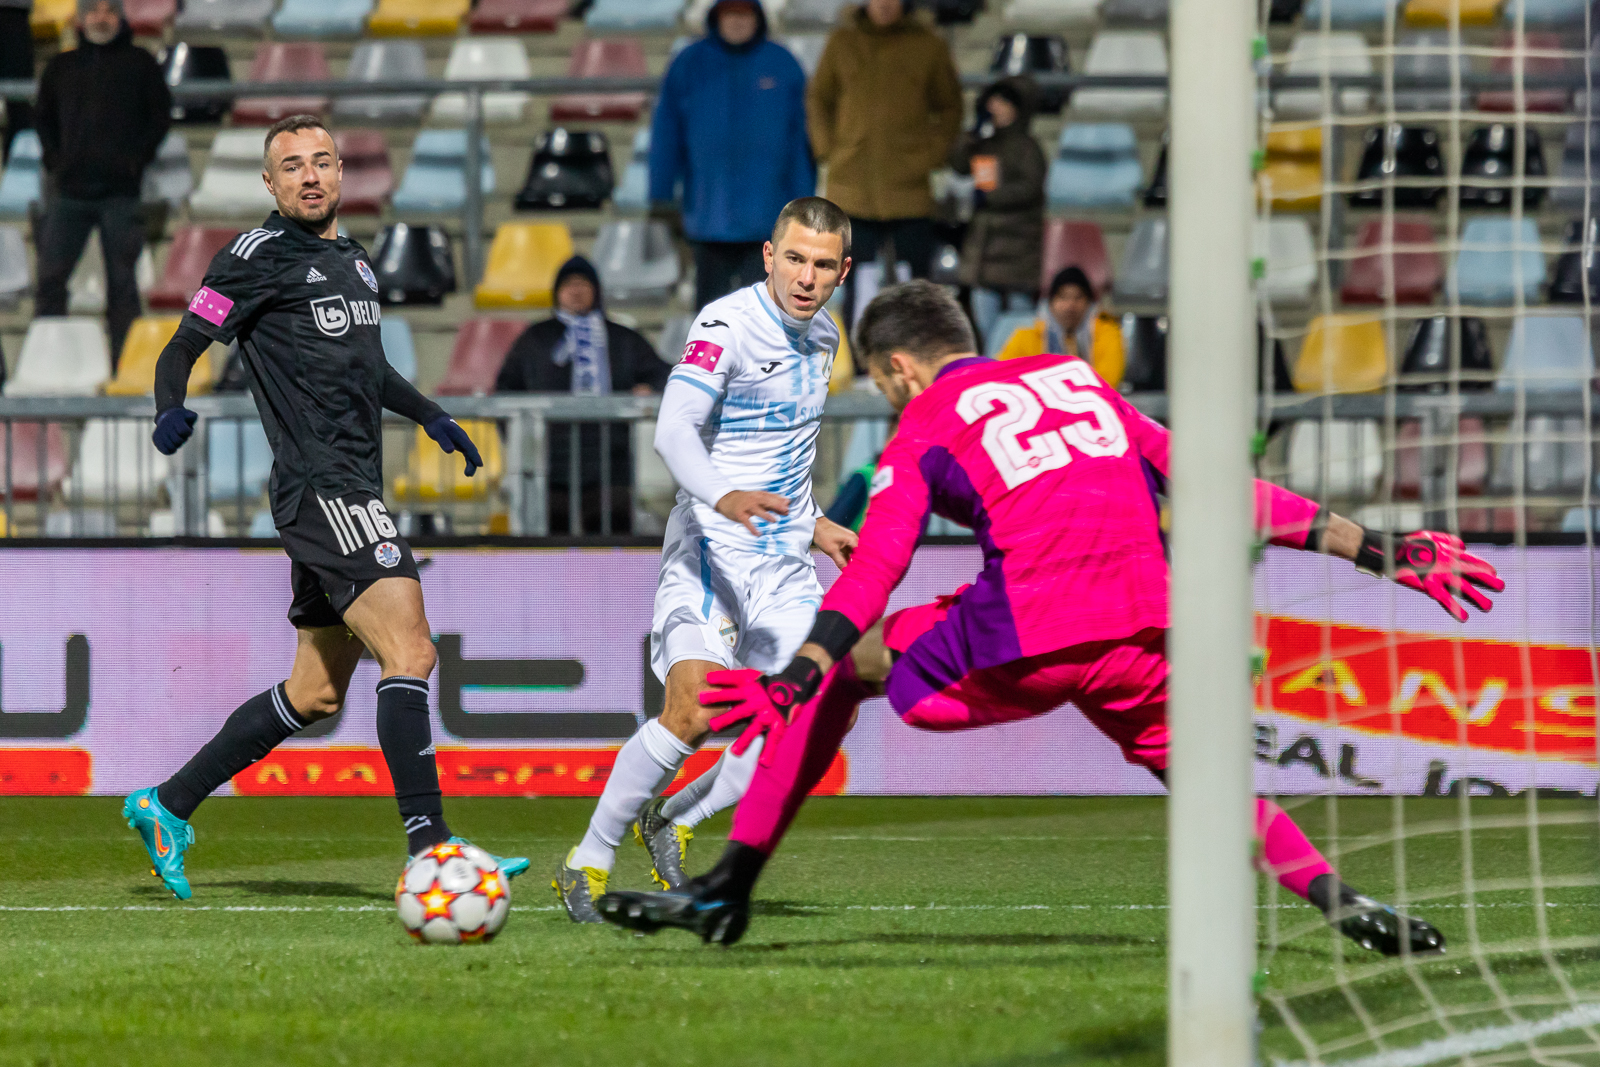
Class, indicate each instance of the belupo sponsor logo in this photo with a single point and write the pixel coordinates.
(334, 315)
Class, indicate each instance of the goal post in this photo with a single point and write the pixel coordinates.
(1211, 1011)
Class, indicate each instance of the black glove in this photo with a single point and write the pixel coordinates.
(449, 436)
(173, 427)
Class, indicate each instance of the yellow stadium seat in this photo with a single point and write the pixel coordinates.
(1295, 141)
(136, 370)
(432, 475)
(522, 264)
(417, 18)
(51, 18)
(1435, 13)
(1342, 354)
(1292, 176)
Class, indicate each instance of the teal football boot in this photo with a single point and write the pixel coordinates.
(166, 838)
(510, 866)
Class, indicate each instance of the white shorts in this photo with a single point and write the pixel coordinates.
(739, 609)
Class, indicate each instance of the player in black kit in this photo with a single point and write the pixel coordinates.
(301, 300)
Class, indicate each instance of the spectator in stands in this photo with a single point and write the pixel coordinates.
(16, 63)
(103, 111)
(730, 125)
(1005, 240)
(883, 109)
(580, 352)
(1074, 327)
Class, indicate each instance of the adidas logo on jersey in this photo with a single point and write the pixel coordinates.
(315, 275)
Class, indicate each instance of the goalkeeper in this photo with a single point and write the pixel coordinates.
(1057, 476)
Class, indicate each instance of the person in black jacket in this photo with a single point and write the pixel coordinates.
(581, 352)
(103, 110)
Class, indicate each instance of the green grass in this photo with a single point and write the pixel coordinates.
(928, 931)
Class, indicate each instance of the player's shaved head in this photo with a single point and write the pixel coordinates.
(302, 171)
(291, 124)
(918, 319)
(817, 215)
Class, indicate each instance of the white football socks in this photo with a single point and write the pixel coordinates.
(644, 767)
(720, 787)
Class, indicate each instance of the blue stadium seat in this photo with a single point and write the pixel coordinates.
(20, 186)
(1545, 13)
(633, 15)
(399, 348)
(1007, 324)
(239, 459)
(1346, 14)
(435, 179)
(262, 526)
(1486, 266)
(1547, 355)
(1096, 166)
(633, 192)
(321, 18)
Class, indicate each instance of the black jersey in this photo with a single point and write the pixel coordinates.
(305, 312)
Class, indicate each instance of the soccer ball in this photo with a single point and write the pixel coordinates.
(452, 893)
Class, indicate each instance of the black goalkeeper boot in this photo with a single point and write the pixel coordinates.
(715, 906)
(1372, 924)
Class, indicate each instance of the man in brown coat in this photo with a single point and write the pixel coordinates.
(883, 109)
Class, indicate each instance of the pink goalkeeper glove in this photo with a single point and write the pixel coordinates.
(766, 700)
(1437, 564)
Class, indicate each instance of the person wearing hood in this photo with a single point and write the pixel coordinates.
(1074, 326)
(730, 128)
(102, 112)
(580, 352)
(1005, 240)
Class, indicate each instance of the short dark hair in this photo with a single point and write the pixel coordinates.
(918, 318)
(814, 213)
(291, 124)
(1073, 275)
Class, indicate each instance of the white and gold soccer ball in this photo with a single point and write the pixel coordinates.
(453, 893)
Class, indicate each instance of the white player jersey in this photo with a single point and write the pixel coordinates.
(769, 375)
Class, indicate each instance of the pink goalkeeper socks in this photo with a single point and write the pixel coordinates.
(1285, 852)
(803, 756)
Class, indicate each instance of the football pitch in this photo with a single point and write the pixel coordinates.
(1000, 931)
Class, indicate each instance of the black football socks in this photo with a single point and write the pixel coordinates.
(407, 742)
(735, 874)
(255, 728)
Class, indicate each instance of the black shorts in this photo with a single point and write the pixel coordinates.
(337, 549)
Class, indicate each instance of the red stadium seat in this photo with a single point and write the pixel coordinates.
(1080, 244)
(480, 349)
(518, 16)
(150, 18)
(1472, 460)
(187, 259)
(1547, 100)
(33, 445)
(1416, 274)
(368, 180)
(614, 58)
(280, 61)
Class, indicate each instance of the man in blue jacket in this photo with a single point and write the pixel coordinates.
(730, 125)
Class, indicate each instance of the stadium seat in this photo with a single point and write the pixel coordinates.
(1342, 354)
(1498, 260)
(321, 18)
(1440, 347)
(806, 49)
(136, 369)
(1135, 12)
(647, 15)
(1427, 55)
(522, 264)
(414, 264)
(184, 63)
(21, 185)
(432, 475)
(283, 61)
(231, 17)
(168, 178)
(238, 459)
(86, 287)
(1554, 14)
(1547, 354)
(518, 16)
(1155, 194)
(816, 14)
(1050, 14)
(1545, 100)
(368, 181)
(49, 19)
(1406, 155)
(435, 181)
(418, 18)
(1144, 339)
(473, 58)
(149, 18)
(15, 277)
(1291, 177)
(1580, 168)
(1075, 244)
(80, 522)
(1290, 259)
(1567, 286)
(231, 183)
(1416, 273)
(1471, 457)
(1008, 323)
(164, 523)
(622, 58)
(570, 169)
(62, 356)
(1347, 14)
(116, 462)
(1096, 166)
(399, 347)
(1333, 53)
(1124, 52)
(479, 352)
(1436, 14)
(1023, 54)
(1490, 157)
(188, 256)
(386, 60)
(633, 192)
(1339, 458)
(262, 527)
(637, 261)
(675, 338)
(1143, 273)
(36, 455)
